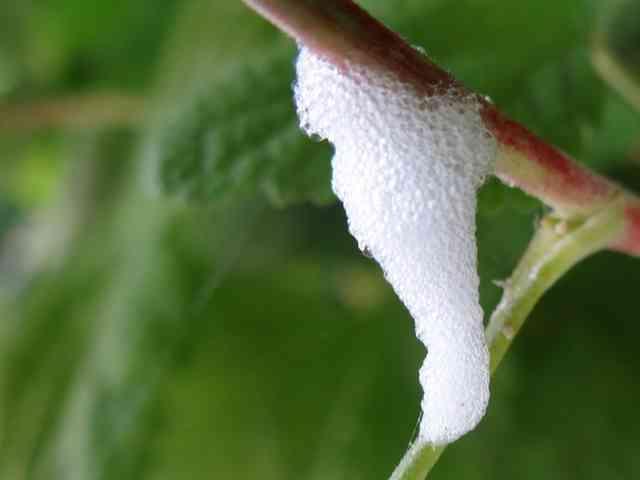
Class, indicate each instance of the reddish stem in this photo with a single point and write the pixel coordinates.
(343, 33)
(630, 242)
(561, 182)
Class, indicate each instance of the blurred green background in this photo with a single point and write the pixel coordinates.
(179, 296)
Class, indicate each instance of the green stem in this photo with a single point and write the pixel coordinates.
(614, 73)
(417, 462)
(556, 247)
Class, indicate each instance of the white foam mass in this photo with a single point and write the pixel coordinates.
(407, 168)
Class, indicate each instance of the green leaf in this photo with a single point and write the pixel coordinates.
(233, 143)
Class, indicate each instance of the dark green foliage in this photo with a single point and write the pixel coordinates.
(214, 336)
(623, 33)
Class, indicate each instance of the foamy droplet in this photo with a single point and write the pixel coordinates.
(407, 168)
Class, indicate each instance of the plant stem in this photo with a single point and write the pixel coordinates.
(556, 247)
(417, 462)
(83, 111)
(614, 73)
(344, 34)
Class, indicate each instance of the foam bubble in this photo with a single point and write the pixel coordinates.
(407, 168)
